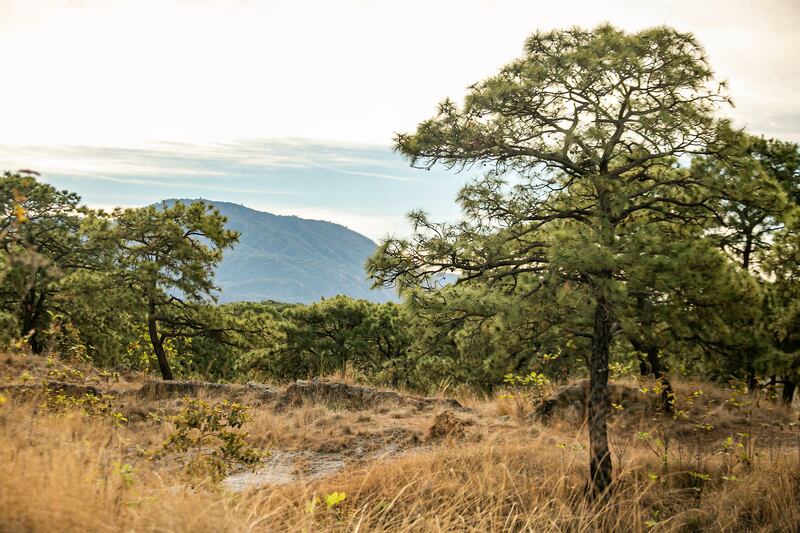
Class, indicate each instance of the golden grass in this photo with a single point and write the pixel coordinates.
(67, 472)
(64, 472)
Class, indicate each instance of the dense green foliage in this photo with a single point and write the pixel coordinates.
(165, 257)
(584, 139)
(42, 248)
(692, 306)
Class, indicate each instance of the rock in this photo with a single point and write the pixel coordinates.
(447, 424)
(69, 389)
(355, 396)
(261, 392)
(135, 414)
(161, 390)
(571, 402)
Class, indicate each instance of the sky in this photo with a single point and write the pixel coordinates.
(291, 106)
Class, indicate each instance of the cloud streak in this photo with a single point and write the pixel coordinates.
(367, 188)
(213, 159)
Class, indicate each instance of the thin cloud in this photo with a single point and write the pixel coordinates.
(217, 159)
(375, 175)
(186, 186)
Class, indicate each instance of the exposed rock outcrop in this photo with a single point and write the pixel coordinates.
(447, 424)
(333, 393)
(161, 390)
(571, 402)
(356, 396)
(69, 389)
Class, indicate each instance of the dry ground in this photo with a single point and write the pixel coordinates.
(728, 461)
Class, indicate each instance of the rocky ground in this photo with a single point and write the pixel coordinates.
(405, 462)
(312, 429)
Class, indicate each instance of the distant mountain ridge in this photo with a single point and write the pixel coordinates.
(291, 259)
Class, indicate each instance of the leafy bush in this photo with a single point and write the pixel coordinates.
(211, 438)
(526, 391)
(58, 402)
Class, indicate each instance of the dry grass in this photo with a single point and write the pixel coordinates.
(66, 471)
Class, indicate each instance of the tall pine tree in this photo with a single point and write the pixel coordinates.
(586, 125)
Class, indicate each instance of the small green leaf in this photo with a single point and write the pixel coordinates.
(334, 498)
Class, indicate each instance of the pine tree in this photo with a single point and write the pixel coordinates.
(586, 127)
(166, 255)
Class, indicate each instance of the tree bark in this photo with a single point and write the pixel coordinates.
(660, 373)
(25, 329)
(644, 368)
(600, 468)
(650, 364)
(157, 342)
(752, 378)
(789, 387)
(33, 307)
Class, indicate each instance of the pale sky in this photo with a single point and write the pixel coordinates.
(90, 89)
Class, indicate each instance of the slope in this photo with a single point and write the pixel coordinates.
(291, 259)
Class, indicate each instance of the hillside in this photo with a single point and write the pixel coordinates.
(291, 259)
(91, 450)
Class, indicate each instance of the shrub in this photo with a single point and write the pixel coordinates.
(211, 438)
(526, 391)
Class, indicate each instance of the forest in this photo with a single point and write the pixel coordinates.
(623, 229)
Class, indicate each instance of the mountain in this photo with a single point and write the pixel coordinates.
(291, 259)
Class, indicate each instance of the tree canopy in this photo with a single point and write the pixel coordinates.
(41, 237)
(581, 138)
(166, 255)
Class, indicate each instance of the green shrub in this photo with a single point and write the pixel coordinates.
(211, 439)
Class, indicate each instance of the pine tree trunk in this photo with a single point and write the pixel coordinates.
(644, 368)
(25, 330)
(158, 345)
(33, 309)
(752, 379)
(599, 456)
(660, 373)
(789, 387)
